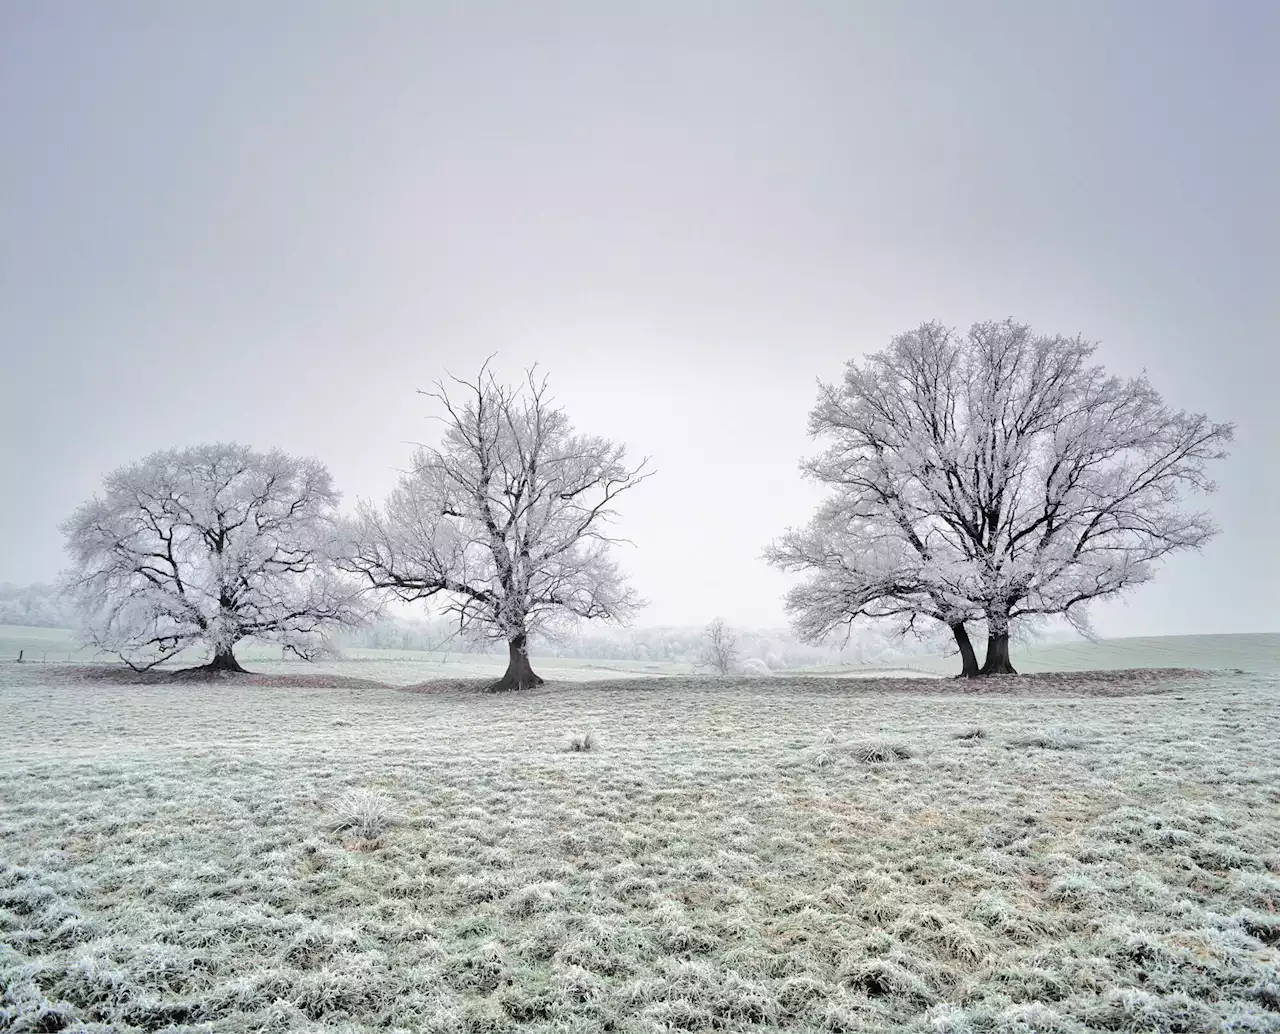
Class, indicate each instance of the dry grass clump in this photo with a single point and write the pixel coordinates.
(827, 750)
(972, 732)
(1047, 739)
(168, 861)
(581, 743)
(878, 751)
(362, 812)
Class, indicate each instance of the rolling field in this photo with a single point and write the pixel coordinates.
(807, 855)
(51, 645)
(1259, 652)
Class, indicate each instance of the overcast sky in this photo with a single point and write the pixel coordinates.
(274, 221)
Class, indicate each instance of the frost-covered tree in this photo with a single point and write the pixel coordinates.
(506, 520)
(1017, 476)
(870, 559)
(719, 648)
(872, 570)
(204, 547)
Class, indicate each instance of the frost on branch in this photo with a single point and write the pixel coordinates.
(505, 520)
(204, 547)
(1001, 473)
(875, 570)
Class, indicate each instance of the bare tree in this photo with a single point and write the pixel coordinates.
(1023, 478)
(506, 520)
(205, 547)
(719, 647)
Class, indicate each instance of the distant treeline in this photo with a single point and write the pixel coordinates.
(671, 644)
(40, 606)
(34, 606)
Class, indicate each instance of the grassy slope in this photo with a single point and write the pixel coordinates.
(55, 644)
(1254, 653)
(720, 860)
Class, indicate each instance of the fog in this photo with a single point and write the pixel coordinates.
(274, 223)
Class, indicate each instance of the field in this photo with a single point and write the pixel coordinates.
(1259, 652)
(799, 854)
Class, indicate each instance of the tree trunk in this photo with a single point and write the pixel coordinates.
(997, 662)
(519, 674)
(968, 659)
(224, 660)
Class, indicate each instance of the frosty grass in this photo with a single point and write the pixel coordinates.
(797, 854)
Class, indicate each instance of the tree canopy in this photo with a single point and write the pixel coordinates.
(204, 547)
(998, 474)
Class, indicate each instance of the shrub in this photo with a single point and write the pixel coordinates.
(581, 744)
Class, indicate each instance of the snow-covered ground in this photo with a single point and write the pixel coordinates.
(738, 854)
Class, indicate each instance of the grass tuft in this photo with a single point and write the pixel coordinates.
(878, 751)
(1048, 739)
(581, 743)
(362, 812)
(1262, 926)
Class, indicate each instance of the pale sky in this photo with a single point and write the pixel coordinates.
(274, 221)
